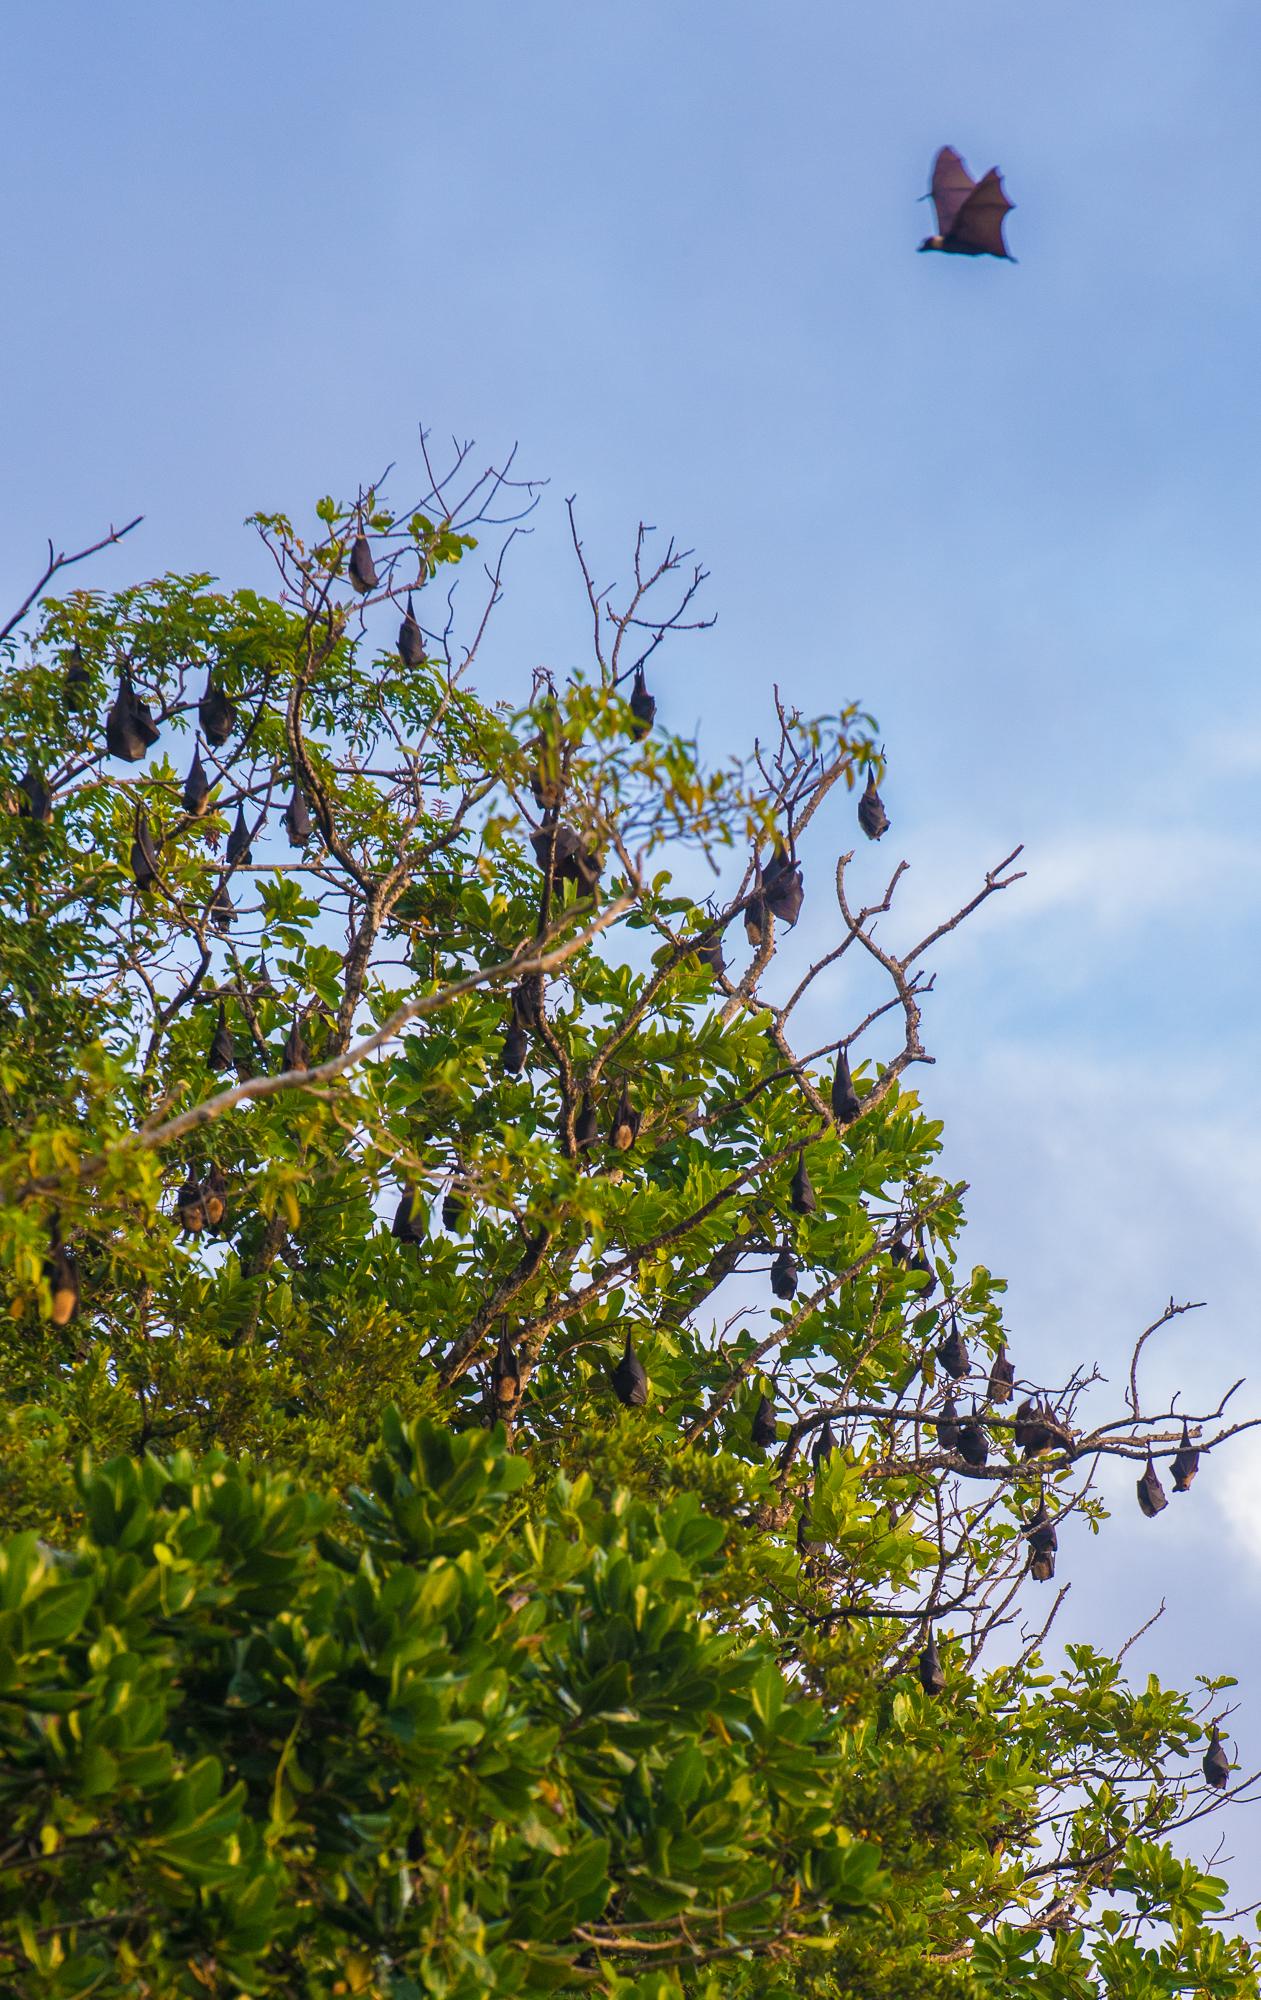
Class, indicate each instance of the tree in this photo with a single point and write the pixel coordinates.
(432, 1567)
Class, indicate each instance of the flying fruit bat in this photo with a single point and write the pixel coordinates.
(129, 728)
(222, 910)
(411, 641)
(947, 1426)
(216, 713)
(765, 1424)
(586, 1126)
(196, 788)
(214, 1195)
(505, 1373)
(643, 707)
(1151, 1494)
(824, 1445)
(624, 1130)
(845, 1105)
(1043, 1544)
(190, 1207)
(77, 676)
(363, 571)
(239, 841)
(455, 1207)
(973, 1446)
(784, 1275)
(62, 1276)
(630, 1383)
(781, 886)
(144, 855)
(801, 1197)
(953, 1352)
(408, 1225)
(1186, 1463)
(298, 819)
(969, 213)
(35, 801)
(1216, 1764)
(220, 1052)
(931, 1677)
(514, 1048)
(872, 817)
(294, 1053)
(1002, 1375)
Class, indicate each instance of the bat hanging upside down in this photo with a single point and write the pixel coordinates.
(969, 213)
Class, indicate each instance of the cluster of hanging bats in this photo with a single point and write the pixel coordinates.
(970, 217)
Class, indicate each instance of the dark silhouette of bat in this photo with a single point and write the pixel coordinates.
(765, 1424)
(931, 1677)
(630, 1383)
(823, 1446)
(969, 213)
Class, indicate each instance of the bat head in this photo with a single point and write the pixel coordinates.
(933, 243)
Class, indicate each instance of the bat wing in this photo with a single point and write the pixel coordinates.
(978, 223)
(952, 185)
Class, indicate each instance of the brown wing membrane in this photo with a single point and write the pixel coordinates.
(978, 226)
(952, 184)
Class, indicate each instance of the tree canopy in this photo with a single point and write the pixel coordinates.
(508, 1484)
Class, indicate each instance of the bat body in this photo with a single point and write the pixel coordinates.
(969, 213)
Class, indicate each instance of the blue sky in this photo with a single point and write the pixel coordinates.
(1013, 510)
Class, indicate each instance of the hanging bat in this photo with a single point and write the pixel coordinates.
(801, 1197)
(953, 1352)
(1216, 1764)
(363, 571)
(35, 801)
(298, 819)
(1151, 1494)
(129, 727)
(624, 1129)
(630, 1383)
(196, 787)
(190, 1207)
(222, 911)
(411, 640)
(765, 1424)
(214, 1195)
(1043, 1543)
(781, 886)
(220, 1053)
(1002, 1375)
(408, 1225)
(973, 1446)
(872, 817)
(969, 213)
(643, 706)
(931, 1677)
(823, 1446)
(239, 841)
(947, 1426)
(784, 1274)
(1186, 1463)
(216, 713)
(505, 1370)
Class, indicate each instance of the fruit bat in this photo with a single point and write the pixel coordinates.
(62, 1277)
(630, 1383)
(872, 817)
(765, 1424)
(920, 1263)
(845, 1103)
(298, 819)
(514, 1048)
(801, 1196)
(144, 855)
(455, 1207)
(560, 849)
(1041, 1431)
(755, 920)
(947, 1426)
(710, 956)
(624, 1130)
(931, 1677)
(294, 1053)
(505, 1374)
(824, 1445)
(973, 1446)
(806, 1546)
(216, 713)
(1216, 1764)
(35, 801)
(415, 1845)
(784, 1275)
(781, 886)
(527, 1000)
(214, 1195)
(1043, 1544)
(1151, 1494)
(129, 728)
(969, 213)
(77, 676)
(363, 571)
(586, 1126)
(219, 1055)
(190, 1207)
(1186, 1463)
(196, 787)
(222, 910)
(239, 841)
(953, 1352)
(411, 641)
(1002, 1375)
(899, 1251)
(408, 1225)
(642, 706)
